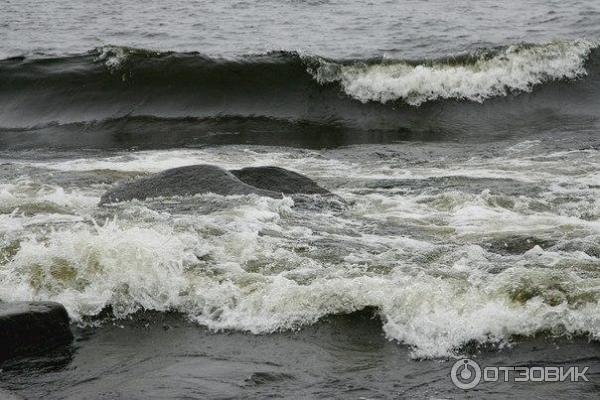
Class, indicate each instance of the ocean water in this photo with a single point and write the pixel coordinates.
(461, 142)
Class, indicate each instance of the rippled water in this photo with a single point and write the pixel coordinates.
(337, 28)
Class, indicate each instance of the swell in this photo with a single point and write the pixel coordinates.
(148, 132)
(515, 90)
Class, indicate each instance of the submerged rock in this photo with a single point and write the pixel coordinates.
(183, 181)
(198, 179)
(279, 180)
(30, 327)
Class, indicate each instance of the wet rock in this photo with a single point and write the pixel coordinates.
(261, 378)
(198, 179)
(183, 181)
(31, 327)
(515, 244)
(279, 180)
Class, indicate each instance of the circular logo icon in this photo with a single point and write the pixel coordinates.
(465, 374)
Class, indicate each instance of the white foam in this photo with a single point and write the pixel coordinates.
(517, 68)
(112, 56)
(221, 271)
(261, 265)
(436, 316)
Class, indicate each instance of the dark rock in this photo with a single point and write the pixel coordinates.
(261, 378)
(516, 244)
(279, 180)
(30, 327)
(184, 181)
(198, 179)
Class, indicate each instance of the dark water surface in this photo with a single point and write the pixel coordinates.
(163, 357)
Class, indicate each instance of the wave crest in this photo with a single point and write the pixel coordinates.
(489, 74)
(118, 82)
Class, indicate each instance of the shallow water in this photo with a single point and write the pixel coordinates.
(471, 244)
(163, 357)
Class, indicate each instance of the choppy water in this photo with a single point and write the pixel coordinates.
(471, 244)
(461, 141)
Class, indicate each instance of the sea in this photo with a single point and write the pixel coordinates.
(461, 140)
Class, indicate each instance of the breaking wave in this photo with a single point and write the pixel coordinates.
(116, 97)
(475, 77)
(116, 82)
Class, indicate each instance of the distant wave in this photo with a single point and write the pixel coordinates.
(512, 90)
(478, 76)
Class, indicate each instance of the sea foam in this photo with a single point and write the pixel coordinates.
(423, 259)
(517, 68)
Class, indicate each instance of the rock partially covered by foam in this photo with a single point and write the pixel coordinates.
(183, 181)
(199, 179)
(30, 327)
(279, 180)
